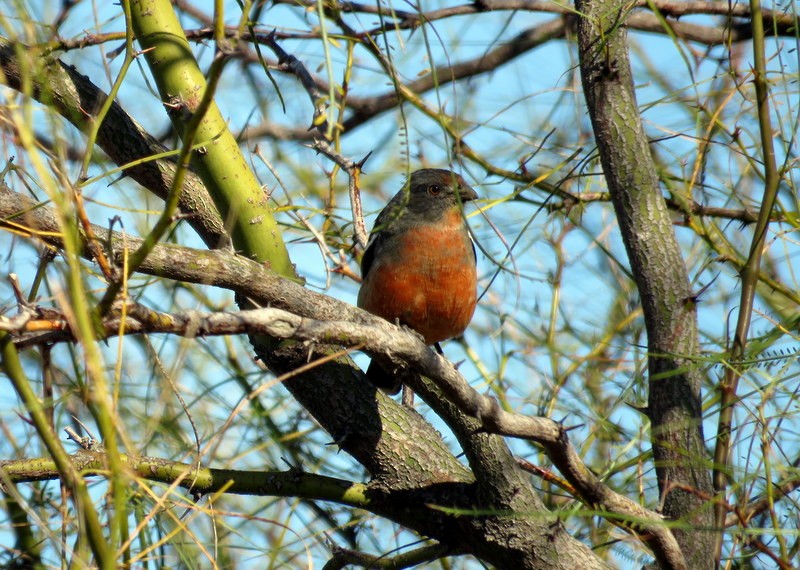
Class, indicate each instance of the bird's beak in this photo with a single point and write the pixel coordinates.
(466, 193)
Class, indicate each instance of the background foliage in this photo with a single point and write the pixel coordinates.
(559, 331)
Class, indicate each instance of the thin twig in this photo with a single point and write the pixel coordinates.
(353, 170)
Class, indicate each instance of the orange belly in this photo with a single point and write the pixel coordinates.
(427, 282)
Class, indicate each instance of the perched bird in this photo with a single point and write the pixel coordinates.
(419, 266)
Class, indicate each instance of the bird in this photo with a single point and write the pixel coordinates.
(419, 267)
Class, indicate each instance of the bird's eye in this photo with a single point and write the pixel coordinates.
(433, 189)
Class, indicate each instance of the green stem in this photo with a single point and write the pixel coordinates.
(12, 367)
(750, 271)
(99, 402)
(217, 158)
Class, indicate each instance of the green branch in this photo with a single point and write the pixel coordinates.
(750, 272)
(203, 480)
(215, 154)
(61, 465)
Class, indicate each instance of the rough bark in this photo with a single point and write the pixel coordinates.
(411, 463)
(674, 406)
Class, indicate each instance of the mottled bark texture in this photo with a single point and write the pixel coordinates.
(505, 523)
(674, 406)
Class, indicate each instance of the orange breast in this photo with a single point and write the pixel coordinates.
(427, 280)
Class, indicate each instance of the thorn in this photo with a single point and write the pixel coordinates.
(360, 164)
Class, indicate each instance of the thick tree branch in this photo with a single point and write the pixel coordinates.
(659, 271)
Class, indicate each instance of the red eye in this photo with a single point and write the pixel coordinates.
(433, 189)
